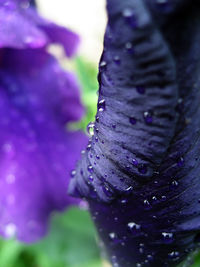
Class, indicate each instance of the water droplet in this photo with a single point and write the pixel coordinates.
(163, 198)
(174, 255)
(97, 157)
(148, 117)
(90, 168)
(73, 173)
(154, 198)
(91, 178)
(101, 105)
(107, 191)
(168, 237)
(102, 66)
(113, 237)
(135, 162)
(147, 205)
(129, 190)
(89, 147)
(90, 128)
(134, 227)
(149, 257)
(117, 60)
(132, 120)
(97, 118)
(82, 152)
(124, 201)
(180, 162)
(129, 48)
(174, 183)
(129, 17)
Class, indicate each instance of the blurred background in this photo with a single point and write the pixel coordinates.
(71, 240)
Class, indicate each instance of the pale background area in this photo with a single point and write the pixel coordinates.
(86, 17)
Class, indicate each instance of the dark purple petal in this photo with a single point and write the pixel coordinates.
(144, 196)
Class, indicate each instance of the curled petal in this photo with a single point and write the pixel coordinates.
(144, 156)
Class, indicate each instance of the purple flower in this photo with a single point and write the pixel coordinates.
(144, 195)
(37, 100)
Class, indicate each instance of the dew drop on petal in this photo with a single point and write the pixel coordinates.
(90, 128)
(174, 255)
(167, 237)
(135, 162)
(102, 66)
(89, 147)
(148, 117)
(107, 191)
(180, 162)
(174, 183)
(90, 168)
(129, 47)
(113, 237)
(101, 105)
(91, 179)
(147, 205)
(129, 17)
(133, 227)
(117, 60)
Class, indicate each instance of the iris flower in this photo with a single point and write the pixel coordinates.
(140, 172)
(37, 99)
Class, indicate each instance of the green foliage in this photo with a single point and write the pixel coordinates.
(70, 243)
(87, 74)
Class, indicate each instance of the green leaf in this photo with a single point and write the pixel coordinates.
(70, 243)
(87, 74)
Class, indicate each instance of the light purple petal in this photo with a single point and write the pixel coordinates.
(36, 152)
(16, 31)
(21, 27)
(56, 34)
(42, 84)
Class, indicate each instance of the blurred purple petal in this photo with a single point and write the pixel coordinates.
(16, 30)
(56, 34)
(45, 86)
(37, 100)
(21, 27)
(37, 152)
